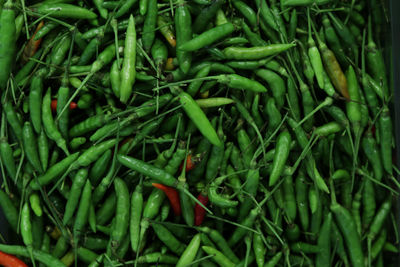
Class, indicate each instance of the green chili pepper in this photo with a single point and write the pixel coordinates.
(353, 106)
(377, 222)
(99, 168)
(347, 226)
(324, 242)
(220, 258)
(54, 171)
(198, 117)
(240, 82)
(8, 39)
(10, 212)
(37, 254)
(207, 37)
(121, 225)
(12, 118)
(82, 213)
(274, 260)
(49, 124)
(373, 154)
(190, 252)
(62, 99)
(93, 153)
(149, 25)
(281, 155)
(75, 194)
(59, 53)
(218, 199)
(369, 204)
(276, 83)
(301, 199)
(240, 232)
(206, 15)
(148, 170)
(30, 146)
(128, 66)
(158, 257)
(247, 12)
(305, 248)
(385, 134)
(168, 239)
(135, 217)
(61, 10)
(254, 53)
(316, 62)
(378, 244)
(35, 101)
(250, 187)
(43, 147)
(6, 159)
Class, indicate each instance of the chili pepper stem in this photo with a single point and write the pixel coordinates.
(327, 102)
(369, 251)
(363, 173)
(202, 259)
(182, 176)
(268, 140)
(61, 180)
(350, 11)
(87, 78)
(272, 229)
(208, 78)
(333, 194)
(233, 223)
(310, 144)
(30, 250)
(355, 157)
(19, 166)
(25, 19)
(184, 190)
(115, 30)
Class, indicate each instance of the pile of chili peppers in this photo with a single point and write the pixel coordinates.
(197, 133)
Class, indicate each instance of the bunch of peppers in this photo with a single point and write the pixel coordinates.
(197, 133)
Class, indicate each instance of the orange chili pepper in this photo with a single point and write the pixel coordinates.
(166, 31)
(8, 260)
(172, 195)
(54, 233)
(205, 94)
(191, 162)
(333, 69)
(169, 65)
(125, 141)
(33, 45)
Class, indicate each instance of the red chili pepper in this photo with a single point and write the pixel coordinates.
(33, 45)
(199, 211)
(122, 143)
(126, 140)
(172, 195)
(72, 105)
(191, 162)
(8, 260)
(373, 130)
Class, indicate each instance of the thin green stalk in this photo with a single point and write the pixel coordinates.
(25, 19)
